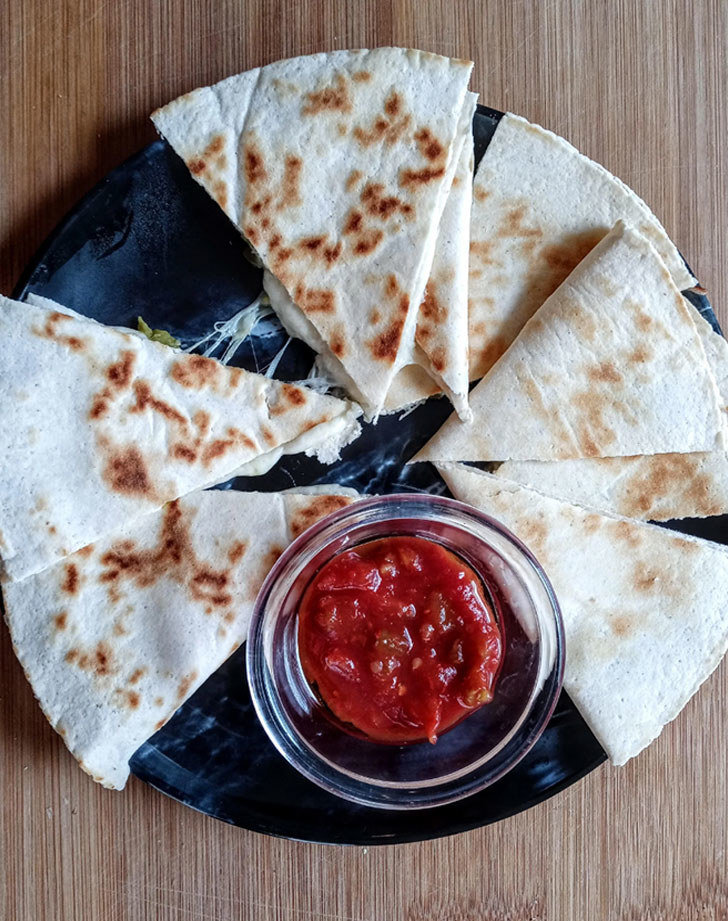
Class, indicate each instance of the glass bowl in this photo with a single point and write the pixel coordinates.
(475, 752)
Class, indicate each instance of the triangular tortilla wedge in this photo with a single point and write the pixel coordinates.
(441, 336)
(442, 321)
(610, 366)
(102, 425)
(116, 637)
(656, 487)
(539, 206)
(336, 168)
(644, 608)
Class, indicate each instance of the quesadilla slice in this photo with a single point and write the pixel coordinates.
(102, 425)
(610, 366)
(335, 167)
(116, 637)
(644, 608)
(539, 206)
(657, 487)
(441, 335)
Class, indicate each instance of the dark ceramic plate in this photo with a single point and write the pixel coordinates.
(147, 240)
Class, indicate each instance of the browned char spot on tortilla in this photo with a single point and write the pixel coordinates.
(184, 686)
(332, 98)
(216, 449)
(60, 620)
(382, 206)
(290, 189)
(237, 551)
(670, 484)
(172, 557)
(480, 194)
(640, 355)
(146, 400)
(384, 346)
(338, 343)
(482, 251)
(416, 178)
(126, 472)
(317, 508)
(285, 397)
(622, 625)
(119, 373)
(552, 263)
(195, 371)
(219, 193)
(644, 578)
(489, 355)
(354, 222)
(604, 372)
(253, 164)
(197, 165)
(438, 358)
(99, 661)
(387, 128)
(533, 532)
(71, 579)
(367, 242)
(594, 436)
(318, 249)
(312, 300)
(355, 176)
(591, 523)
(50, 331)
(137, 675)
(361, 76)
(431, 309)
(627, 532)
(430, 148)
(183, 452)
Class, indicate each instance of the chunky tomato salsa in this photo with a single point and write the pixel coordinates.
(398, 639)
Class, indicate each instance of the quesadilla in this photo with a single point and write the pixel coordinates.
(644, 608)
(115, 637)
(441, 335)
(335, 167)
(539, 206)
(610, 366)
(102, 425)
(656, 487)
(442, 322)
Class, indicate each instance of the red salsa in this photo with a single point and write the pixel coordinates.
(398, 638)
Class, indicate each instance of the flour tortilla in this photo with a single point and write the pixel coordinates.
(335, 167)
(442, 325)
(644, 608)
(657, 487)
(539, 207)
(101, 425)
(116, 637)
(610, 366)
(442, 321)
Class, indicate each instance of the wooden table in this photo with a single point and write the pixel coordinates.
(639, 85)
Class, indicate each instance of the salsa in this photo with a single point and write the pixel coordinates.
(398, 639)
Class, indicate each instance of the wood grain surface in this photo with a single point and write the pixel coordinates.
(639, 85)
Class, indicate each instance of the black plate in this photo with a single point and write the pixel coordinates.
(148, 240)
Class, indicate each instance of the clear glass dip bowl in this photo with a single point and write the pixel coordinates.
(466, 758)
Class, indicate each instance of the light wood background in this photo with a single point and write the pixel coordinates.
(639, 85)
